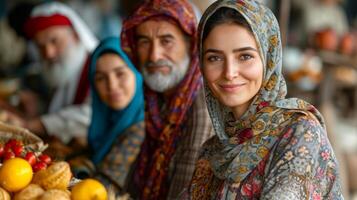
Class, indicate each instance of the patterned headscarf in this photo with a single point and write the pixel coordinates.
(163, 132)
(244, 143)
(107, 124)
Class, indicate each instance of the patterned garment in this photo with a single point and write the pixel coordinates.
(115, 135)
(115, 168)
(198, 129)
(165, 131)
(107, 123)
(279, 148)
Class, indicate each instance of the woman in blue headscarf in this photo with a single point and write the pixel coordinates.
(117, 125)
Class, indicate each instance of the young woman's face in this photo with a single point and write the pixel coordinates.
(114, 81)
(232, 66)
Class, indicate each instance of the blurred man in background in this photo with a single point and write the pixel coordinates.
(64, 43)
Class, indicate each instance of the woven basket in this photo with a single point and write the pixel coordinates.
(29, 139)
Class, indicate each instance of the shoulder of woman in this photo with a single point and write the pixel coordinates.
(137, 128)
(306, 127)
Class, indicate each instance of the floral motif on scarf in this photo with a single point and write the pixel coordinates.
(163, 131)
(241, 147)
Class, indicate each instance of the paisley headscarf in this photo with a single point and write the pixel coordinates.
(242, 144)
(107, 124)
(163, 131)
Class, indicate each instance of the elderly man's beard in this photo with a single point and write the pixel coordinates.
(64, 70)
(160, 82)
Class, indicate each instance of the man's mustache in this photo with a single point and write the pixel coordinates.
(159, 63)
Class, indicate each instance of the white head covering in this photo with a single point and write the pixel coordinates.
(85, 35)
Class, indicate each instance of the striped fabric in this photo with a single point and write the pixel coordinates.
(165, 131)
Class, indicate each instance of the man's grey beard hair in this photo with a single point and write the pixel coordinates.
(160, 82)
(69, 65)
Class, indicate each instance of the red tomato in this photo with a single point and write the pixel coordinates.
(8, 155)
(11, 142)
(45, 158)
(8, 147)
(17, 149)
(39, 166)
(14, 142)
(19, 143)
(31, 158)
(2, 150)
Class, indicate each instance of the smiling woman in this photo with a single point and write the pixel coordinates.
(266, 146)
(117, 125)
(114, 81)
(233, 68)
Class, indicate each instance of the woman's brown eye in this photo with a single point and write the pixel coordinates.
(246, 57)
(213, 58)
(99, 78)
(120, 74)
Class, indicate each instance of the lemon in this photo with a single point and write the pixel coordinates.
(15, 174)
(89, 189)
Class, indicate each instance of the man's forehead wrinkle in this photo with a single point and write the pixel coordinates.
(155, 29)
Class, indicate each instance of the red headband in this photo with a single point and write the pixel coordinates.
(36, 24)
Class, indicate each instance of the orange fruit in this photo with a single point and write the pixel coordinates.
(15, 174)
(89, 189)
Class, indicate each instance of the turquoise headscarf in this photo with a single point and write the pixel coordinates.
(107, 124)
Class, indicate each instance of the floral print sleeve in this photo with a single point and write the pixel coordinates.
(302, 165)
(117, 164)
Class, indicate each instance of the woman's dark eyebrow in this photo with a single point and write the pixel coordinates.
(212, 51)
(119, 67)
(234, 50)
(245, 49)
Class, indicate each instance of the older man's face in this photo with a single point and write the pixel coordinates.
(163, 54)
(53, 42)
(62, 54)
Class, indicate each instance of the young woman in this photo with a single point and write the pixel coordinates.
(117, 126)
(266, 146)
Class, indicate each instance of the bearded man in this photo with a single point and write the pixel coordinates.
(160, 38)
(64, 43)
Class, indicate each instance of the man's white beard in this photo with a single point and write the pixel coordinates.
(160, 82)
(60, 72)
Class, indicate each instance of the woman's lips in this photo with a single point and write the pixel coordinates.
(114, 96)
(231, 87)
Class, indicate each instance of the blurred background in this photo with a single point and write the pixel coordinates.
(320, 60)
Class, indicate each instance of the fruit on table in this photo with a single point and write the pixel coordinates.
(15, 174)
(31, 158)
(2, 150)
(31, 192)
(326, 39)
(4, 195)
(45, 158)
(89, 189)
(16, 148)
(8, 155)
(347, 44)
(56, 176)
(39, 166)
(55, 194)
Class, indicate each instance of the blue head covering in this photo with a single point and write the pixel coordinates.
(107, 124)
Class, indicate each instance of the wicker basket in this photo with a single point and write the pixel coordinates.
(30, 140)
